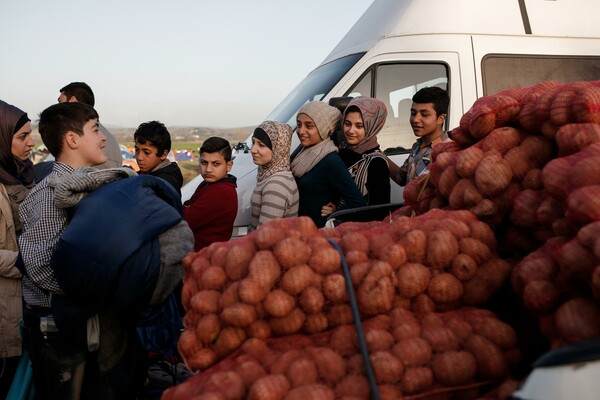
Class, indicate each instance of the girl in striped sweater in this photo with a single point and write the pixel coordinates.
(276, 192)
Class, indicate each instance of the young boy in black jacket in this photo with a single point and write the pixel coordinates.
(152, 146)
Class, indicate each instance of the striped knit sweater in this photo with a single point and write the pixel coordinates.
(275, 197)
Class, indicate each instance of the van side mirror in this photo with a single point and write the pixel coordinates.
(242, 146)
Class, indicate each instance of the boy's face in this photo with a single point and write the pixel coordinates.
(213, 166)
(424, 120)
(91, 144)
(146, 156)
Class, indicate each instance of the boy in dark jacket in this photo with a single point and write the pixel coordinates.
(212, 209)
(152, 146)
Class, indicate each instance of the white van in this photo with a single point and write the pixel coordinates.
(472, 48)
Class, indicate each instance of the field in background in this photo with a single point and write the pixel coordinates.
(182, 138)
(189, 169)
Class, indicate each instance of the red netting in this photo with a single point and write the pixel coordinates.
(413, 356)
(273, 283)
(560, 282)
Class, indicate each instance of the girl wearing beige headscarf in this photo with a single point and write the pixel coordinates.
(321, 175)
(276, 192)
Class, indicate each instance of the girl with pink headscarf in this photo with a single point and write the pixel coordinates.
(363, 119)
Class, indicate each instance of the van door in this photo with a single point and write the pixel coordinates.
(394, 79)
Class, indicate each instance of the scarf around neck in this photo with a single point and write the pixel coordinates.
(70, 189)
(311, 156)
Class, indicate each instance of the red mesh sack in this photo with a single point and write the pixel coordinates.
(528, 118)
(404, 211)
(583, 204)
(412, 356)
(586, 104)
(572, 138)
(559, 282)
(461, 135)
(562, 175)
(560, 108)
(418, 193)
(276, 283)
(491, 112)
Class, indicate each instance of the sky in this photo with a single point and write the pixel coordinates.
(225, 63)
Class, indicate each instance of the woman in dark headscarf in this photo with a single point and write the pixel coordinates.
(16, 178)
(363, 119)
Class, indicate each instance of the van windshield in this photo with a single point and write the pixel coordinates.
(314, 87)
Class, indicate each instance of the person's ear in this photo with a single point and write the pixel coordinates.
(164, 155)
(73, 99)
(229, 165)
(71, 139)
(441, 119)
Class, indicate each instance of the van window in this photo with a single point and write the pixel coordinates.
(534, 69)
(363, 87)
(313, 87)
(395, 85)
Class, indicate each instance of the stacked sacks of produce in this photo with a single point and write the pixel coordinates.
(503, 144)
(527, 162)
(560, 282)
(456, 354)
(287, 278)
(520, 173)
(568, 198)
(450, 259)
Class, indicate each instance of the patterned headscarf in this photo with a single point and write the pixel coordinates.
(12, 170)
(281, 142)
(374, 114)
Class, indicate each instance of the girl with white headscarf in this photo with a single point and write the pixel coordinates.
(276, 193)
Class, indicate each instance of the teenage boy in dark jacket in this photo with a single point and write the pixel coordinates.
(152, 147)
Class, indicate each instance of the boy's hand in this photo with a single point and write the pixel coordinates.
(328, 209)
